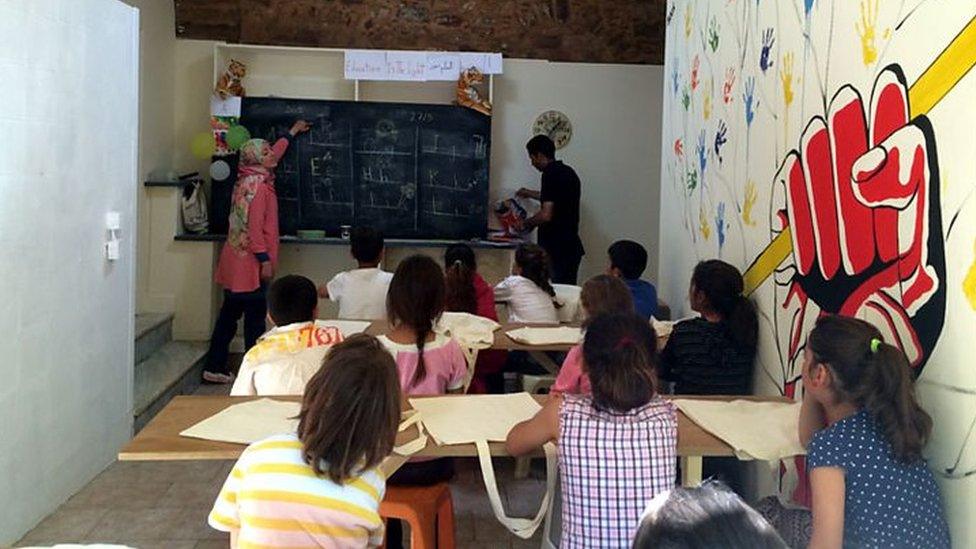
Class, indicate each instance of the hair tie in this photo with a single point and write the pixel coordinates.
(875, 345)
(624, 341)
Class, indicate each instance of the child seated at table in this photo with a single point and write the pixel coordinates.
(467, 292)
(287, 356)
(864, 432)
(713, 354)
(361, 292)
(628, 259)
(617, 446)
(428, 363)
(528, 292)
(602, 294)
(320, 486)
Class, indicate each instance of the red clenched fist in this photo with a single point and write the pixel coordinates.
(861, 200)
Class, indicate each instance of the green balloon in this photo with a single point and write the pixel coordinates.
(237, 136)
(203, 145)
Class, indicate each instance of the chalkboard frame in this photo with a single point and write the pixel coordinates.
(416, 171)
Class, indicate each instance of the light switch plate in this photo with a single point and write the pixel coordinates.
(113, 221)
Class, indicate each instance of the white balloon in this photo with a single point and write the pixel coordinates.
(219, 170)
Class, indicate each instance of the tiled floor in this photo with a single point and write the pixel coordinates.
(165, 504)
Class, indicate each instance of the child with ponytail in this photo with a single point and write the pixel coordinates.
(864, 433)
(713, 354)
(467, 292)
(617, 446)
(427, 363)
(528, 292)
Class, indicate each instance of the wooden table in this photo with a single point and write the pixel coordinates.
(505, 343)
(160, 440)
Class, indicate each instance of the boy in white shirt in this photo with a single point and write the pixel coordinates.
(361, 293)
(286, 357)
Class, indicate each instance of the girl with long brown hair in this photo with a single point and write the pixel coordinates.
(865, 431)
(428, 363)
(467, 292)
(347, 425)
(618, 445)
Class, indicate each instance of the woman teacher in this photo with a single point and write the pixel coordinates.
(558, 219)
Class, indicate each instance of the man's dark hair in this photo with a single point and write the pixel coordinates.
(541, 144)
(628, 256)
(367, 244)
(710, 516)
(292, 299)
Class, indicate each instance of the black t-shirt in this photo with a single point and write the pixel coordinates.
(561, 186)
(702, 359)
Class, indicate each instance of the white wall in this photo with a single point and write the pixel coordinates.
(615, 110)
(157, 59)
(69, 117)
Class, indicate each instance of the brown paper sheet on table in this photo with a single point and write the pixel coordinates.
(481, 419)
(562, 335)
(755, 430)
(256, 420)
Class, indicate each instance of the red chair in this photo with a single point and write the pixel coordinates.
(427, 509)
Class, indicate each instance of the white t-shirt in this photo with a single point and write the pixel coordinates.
(284, 359)
(526, 301)
(361, 293)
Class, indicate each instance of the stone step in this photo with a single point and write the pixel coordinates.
(174, 369)
(153, 330)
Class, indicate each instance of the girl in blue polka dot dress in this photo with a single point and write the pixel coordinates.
(864, 433)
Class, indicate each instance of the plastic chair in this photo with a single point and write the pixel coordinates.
(427, 509)
(569, 296)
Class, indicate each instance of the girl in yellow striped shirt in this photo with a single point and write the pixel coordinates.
(321, 486)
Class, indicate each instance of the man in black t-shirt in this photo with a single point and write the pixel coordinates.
(558, 220)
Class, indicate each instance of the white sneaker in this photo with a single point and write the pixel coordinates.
(213, 377)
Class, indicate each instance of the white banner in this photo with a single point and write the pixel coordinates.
(417, 66)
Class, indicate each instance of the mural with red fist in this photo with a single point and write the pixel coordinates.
(828, 150)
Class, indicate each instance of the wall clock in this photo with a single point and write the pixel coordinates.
(556, 125)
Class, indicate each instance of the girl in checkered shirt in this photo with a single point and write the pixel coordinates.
(617, 446)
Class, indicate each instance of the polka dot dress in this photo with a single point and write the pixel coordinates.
(888, 503)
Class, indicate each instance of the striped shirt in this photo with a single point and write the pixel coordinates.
(275, 499)
(702, 359)
(612, 464)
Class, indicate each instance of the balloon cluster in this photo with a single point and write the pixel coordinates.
(204, 144)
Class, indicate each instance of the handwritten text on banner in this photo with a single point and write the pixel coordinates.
(417, 65)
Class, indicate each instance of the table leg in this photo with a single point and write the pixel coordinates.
(691, 471)
(543, 359)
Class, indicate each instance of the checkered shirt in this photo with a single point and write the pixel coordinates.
(612, 465)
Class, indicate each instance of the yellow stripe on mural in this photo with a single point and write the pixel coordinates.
(945, 72)
(936, 82)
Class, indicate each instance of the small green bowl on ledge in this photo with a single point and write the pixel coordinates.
(311, 234)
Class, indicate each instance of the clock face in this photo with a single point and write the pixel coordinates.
(556, 125)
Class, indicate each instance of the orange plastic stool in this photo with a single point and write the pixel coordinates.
(427, 509)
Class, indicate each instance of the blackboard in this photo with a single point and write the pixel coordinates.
(411, 170)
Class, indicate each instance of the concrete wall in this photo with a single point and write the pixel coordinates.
(744, 80)
(70, 120)
(615, 110)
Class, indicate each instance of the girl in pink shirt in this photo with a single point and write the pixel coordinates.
(248, 258)
(602, 294)
(427, 363)
(467, 292)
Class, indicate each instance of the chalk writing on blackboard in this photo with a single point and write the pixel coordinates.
(415, 171)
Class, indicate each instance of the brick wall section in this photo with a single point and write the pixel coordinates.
(594, 31)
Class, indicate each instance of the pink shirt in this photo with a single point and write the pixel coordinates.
(571, 379)
(239, 272)
(444, 363)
